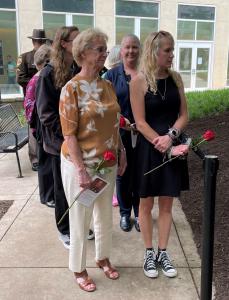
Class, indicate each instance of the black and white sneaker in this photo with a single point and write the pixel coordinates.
(164, 261)
(91, 235)
(149, 266)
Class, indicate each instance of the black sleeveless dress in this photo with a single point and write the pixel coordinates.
(160, 114)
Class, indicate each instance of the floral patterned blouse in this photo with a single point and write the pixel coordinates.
(90, 111)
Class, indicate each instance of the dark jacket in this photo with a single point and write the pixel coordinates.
(120, 82)
(25, 69)
(47, 102)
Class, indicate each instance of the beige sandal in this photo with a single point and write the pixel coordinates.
(85, 282)
(108, 270)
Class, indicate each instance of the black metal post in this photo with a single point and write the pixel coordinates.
(211, 165)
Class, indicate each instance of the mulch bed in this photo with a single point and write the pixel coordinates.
(4, 206)
(192, 201)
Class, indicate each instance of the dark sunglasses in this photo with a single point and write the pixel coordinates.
(159, 32)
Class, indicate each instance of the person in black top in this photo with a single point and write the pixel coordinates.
(120, 77)
(160, 112)
(52, 78)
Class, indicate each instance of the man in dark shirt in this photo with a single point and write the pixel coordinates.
(25, 71)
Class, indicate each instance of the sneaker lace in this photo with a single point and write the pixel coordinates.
(165, 260)
(150, 260)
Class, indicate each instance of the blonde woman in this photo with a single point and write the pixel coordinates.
(160, 112)
(89, 115)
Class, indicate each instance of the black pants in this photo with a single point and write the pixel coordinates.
(45, 175)
(61, 204)
(127, 198)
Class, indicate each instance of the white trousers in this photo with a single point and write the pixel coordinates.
(80, 217)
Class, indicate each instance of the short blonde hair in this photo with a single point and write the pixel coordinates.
(114, 57)
(148, 62)
(42, 55)
(84, 40)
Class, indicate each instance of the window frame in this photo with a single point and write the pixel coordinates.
(68, 16)
(196, 21)
(137, 20)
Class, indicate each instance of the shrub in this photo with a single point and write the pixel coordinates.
(206, 103)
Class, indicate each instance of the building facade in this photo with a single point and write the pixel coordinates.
(200, 30)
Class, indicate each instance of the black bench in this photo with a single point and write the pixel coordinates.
(13, 136)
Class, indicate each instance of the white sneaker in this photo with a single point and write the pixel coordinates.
(164, 261)
(65, 239)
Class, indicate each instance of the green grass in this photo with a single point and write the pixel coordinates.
(206, 103)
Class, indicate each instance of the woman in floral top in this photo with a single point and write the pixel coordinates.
(89, 115)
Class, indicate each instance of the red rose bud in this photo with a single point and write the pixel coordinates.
(209, 135)
(122, 122)
(108, 155)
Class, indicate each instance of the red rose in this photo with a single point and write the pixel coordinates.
(209, 135)
(108, 155)
(122, 122)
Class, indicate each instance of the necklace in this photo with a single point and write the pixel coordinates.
(162, 96)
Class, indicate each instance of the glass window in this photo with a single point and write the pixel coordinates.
(185, 61)
(202, 59)
(201, 79)
(142, 18)
(147, 26)
(7, 3)
(195, 29)
(196, 12)
(138, 9)
(8, 53)
(123, 27)
(205, 31)
(186, 30)
(52, 22)
(71, 6)
(83, 22)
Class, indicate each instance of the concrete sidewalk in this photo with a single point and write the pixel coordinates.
(34, 263)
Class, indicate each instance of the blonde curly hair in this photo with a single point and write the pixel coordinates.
(61, 70)
(148, 63)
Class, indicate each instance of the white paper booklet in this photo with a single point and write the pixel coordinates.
(87, 197)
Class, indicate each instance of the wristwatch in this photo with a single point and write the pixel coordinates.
(173, 133)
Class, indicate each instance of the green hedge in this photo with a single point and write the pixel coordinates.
(206, 103)
(200, 104)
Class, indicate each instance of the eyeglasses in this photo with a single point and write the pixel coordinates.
(100, 50)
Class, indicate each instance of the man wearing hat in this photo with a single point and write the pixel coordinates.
(25, 71)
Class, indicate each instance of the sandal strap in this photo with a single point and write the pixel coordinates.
(105, 265)
(84, 281)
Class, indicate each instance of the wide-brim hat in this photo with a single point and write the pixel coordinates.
(38, 34)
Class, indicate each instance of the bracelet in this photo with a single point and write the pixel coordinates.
(173, 133)
(122, 150)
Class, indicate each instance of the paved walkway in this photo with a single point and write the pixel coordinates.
(34, 264)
